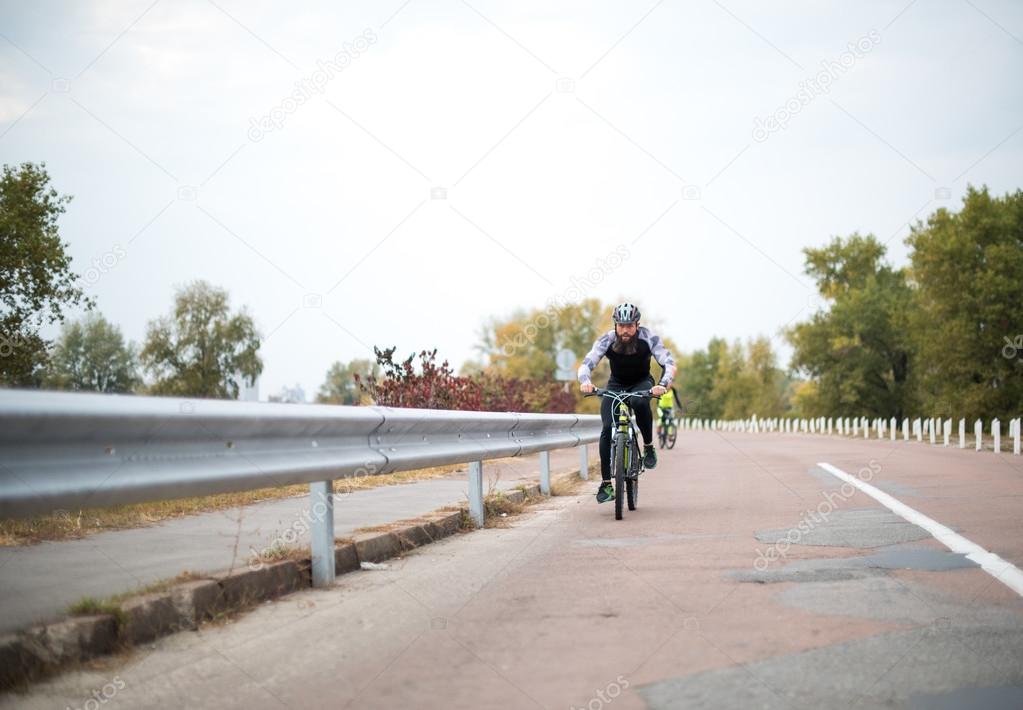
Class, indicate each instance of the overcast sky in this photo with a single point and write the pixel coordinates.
(557, 132)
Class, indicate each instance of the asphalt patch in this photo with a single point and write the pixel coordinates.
(862, 527)
(874, 565)
(897, 670)
(1002, 698)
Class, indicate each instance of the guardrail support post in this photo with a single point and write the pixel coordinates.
(476, 492)
(545, 472)
(321, 510)
(584, 463)
(962, 433)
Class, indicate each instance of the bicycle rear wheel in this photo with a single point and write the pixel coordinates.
(620, 462)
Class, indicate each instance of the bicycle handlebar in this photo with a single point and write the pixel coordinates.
(601, 392)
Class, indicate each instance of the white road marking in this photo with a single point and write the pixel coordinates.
(1005, 572)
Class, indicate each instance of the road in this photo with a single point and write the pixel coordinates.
(695, 600)
(38, 582)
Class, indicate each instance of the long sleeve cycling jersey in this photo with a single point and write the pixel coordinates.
(627, 369)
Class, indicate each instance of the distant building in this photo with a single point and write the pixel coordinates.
(248, 393)
(290, 395)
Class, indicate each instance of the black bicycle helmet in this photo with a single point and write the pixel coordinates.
(625, 313)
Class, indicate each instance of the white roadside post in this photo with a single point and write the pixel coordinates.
(946, 428)
(978, 433)
(866, 428)
(584, 463)
(321, 532)
(895, 427)
(880, 428)
(545, 472)
(930, 426)
(830, 423)
(476, 493)
(918, 427)
(962, 433)
(996, 434)
(905, 429)
(1015, 438)
(856, 427)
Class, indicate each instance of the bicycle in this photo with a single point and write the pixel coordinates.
(667, 429)
(626, 456)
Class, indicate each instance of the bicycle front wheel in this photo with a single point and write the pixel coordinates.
(621, 461)
(672, 437)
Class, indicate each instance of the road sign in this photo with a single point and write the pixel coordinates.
(566, 365)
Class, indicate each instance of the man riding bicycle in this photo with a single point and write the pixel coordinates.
(628, 348)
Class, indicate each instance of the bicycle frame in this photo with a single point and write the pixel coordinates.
(630, 465)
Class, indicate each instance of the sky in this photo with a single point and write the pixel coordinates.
(397, 173)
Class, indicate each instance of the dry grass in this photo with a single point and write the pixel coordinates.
(391, 527)
(75, 525)
(569, 485)
(90, 606)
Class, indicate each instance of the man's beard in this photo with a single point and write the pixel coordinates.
(624, 348)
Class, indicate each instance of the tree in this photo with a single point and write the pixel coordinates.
(748, 381)
(967, 316)
(201, 350)
(525, 345)
(859, 351)
(91, 355)
(36, 281)
(696, 374)
(341, 387)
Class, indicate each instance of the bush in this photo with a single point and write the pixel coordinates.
(436, 386)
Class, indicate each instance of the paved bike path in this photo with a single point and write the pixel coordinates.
(38, 582)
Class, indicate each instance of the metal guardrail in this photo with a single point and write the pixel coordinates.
(61, 450)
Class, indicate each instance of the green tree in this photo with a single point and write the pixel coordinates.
(201, 349)
(748, 381)
(858, 352)
(968, 314)
(91, 355)
(696, 374)
(36, 281)
(340, 386)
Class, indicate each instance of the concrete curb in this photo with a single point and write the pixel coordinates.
(43, 650)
